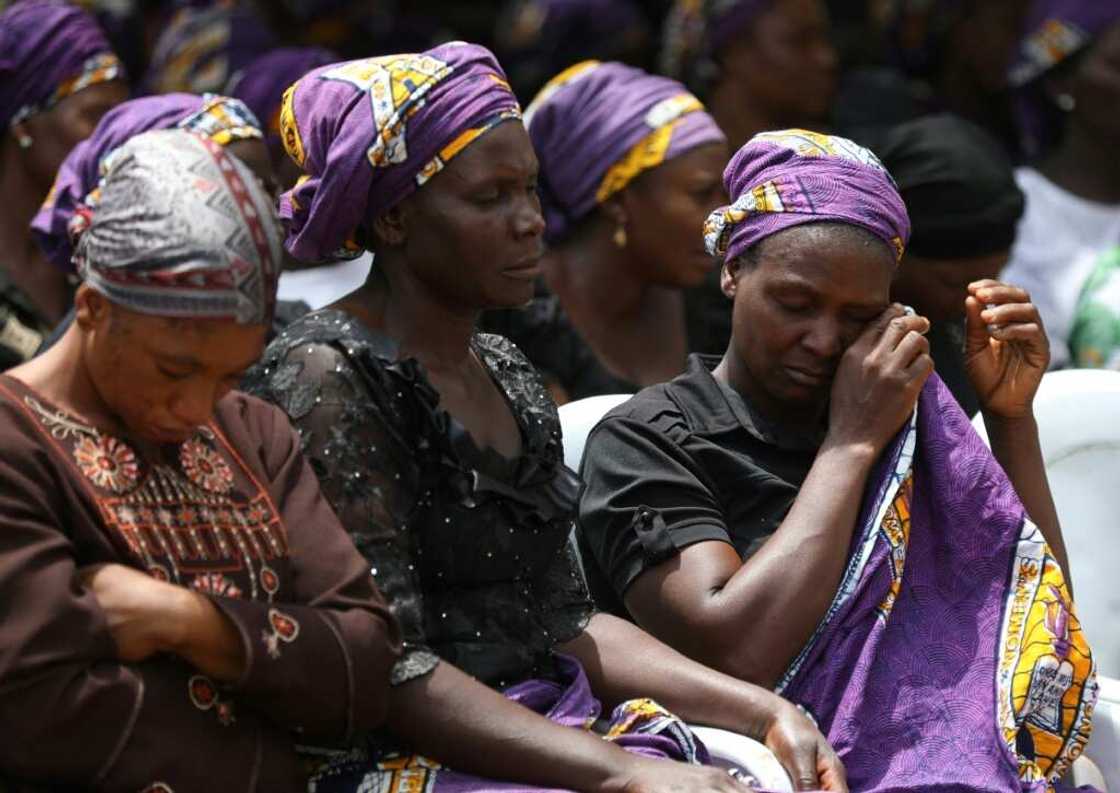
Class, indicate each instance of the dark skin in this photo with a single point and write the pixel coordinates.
(780, 73)
(627, 302)
(470, 240)
(936, 288)
(177, 371)
(1083, 162)
(26, 175)
(815, 340)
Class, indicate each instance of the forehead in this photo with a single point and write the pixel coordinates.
(844, 262)
(211, 342)
(506, 149)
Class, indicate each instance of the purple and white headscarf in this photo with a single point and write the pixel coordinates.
(368, 133)
(787, 178)
(180, 228)
(219, 118)
(597, 126)
(49, 50)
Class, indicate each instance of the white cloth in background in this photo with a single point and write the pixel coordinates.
(321, 286)
(1059, 240)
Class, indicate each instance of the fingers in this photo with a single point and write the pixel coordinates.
(878, 326)
(997, 293)
(833, 775)
(898, 329)
(1010, 313)
(912, 345)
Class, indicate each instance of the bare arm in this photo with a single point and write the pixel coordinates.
(1006, 353)
(624, 662)
(702, 600)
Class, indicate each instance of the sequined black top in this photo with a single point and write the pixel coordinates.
(469, 547)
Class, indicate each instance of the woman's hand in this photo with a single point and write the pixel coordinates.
(648, 775)
(804, 752)
(878, 380)
(1006, 351)
(146, 616)
(137, 608)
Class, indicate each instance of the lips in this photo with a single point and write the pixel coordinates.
(526, 269)
(810, 378)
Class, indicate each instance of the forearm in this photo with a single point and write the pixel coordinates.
(624, 662)
(1016, 446)
(770, 607)
(457, 720)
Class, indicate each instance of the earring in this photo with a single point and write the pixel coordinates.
(1066, 102)
(620, 236)
(24, 140)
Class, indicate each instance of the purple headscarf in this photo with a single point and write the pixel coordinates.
(262, 83)
(202, 47)
(367, 133)
(179, 228)
(596, 126)
(49, 50)
(791, 177)
(219, 118)
(1055, 30)
(696, 30)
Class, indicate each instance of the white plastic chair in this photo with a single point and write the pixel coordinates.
(727, 749)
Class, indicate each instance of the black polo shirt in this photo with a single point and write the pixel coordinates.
(683, 462)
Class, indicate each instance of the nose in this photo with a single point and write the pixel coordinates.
(528, 220)
(824, 339)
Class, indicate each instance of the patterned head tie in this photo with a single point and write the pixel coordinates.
(262, 83)
(1055, 31)
(597, 126)
(49, 50)
(791, 177)
(219, 118)
(695, 32)
(179, 228)
(204, 45)
(368, 133)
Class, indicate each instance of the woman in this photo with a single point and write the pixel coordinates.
(756, 64)
(630, 167)
(176, 586)
(786, 516)
(1068, 85)
(58, 76)
(440, 450)
(960, 193)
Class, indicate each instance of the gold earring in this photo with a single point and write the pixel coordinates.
(620, 236)
(24, 140)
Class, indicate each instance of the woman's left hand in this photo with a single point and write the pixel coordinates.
(805, 754)
(138, 609)
(1006, 351)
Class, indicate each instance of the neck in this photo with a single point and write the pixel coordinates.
(426, 328)
(60, 374)
(1085, 166)
(591, 278)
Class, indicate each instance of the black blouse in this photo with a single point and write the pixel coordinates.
(470, 548)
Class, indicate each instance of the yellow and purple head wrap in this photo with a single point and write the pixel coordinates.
(219, 118)
(49, 50)
(367, 133)
(596, 126)
(787, 178)
(180, 228)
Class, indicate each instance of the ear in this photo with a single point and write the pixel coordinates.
(92, 310)
(391, 227)
(729, 277)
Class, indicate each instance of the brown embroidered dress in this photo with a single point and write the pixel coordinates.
(234, 513)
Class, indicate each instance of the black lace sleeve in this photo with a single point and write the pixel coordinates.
(359, 450)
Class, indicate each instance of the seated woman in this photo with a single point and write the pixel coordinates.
(58, 76)
(440, 450)
(179, 598)
(630, 166)
(784, 515)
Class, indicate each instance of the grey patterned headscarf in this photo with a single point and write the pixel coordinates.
(180, 228)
